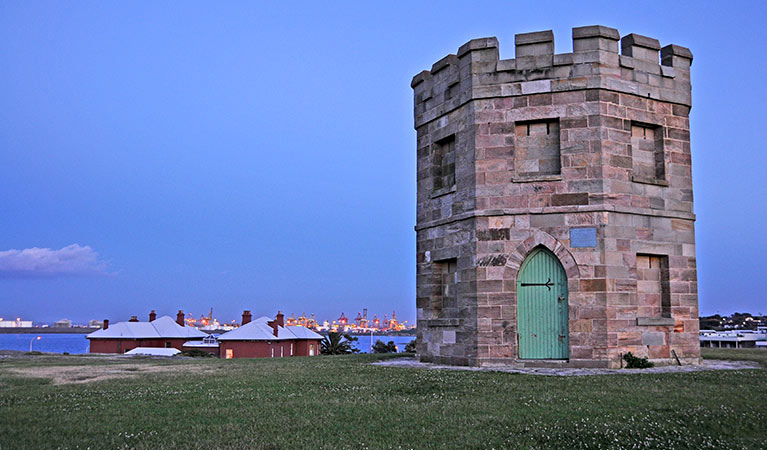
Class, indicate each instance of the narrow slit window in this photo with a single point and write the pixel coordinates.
(653, 294)
(444, 163)
(444, 300)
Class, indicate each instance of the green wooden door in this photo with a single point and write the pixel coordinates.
(542, 307)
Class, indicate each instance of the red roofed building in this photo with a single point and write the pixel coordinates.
(124, 336)
(265, 338)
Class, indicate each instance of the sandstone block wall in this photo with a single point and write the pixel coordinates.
(553, 150)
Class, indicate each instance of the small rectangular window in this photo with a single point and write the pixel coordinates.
(653, 294)
(445, 275)
(647, 158)
(536, 148)
(443, 163)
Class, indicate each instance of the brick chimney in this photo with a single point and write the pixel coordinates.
(273, 324)
(106, 324)
(180, 318)
(246, 317)
(152, 316)
(133, 319)
(280, 319)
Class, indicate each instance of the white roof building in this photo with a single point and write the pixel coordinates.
(161, 328)
(260, 330)
(733, 338)
(153, 351)
(209, 341)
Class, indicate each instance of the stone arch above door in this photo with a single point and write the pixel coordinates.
(541, 239)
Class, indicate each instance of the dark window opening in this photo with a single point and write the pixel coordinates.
(444, 163)
(444, 301)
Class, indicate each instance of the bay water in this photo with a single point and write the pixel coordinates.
(77, 343)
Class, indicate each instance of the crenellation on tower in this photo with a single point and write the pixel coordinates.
(534, 51)
(595, 38)
(640, 47)
(595, 63)
(581, 158)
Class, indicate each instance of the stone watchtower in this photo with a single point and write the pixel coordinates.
(555, 220)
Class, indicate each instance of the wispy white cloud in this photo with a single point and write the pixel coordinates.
(36, 262)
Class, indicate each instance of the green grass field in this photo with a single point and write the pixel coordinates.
(344, 402)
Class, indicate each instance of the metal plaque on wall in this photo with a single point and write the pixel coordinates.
(583, 237)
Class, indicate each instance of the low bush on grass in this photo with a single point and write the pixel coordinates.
(196, 353)
(635, 362)
(380, 347)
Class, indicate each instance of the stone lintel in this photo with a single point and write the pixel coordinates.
(437, 323)
(655, 321)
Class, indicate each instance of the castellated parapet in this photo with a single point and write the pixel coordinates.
(572, 167)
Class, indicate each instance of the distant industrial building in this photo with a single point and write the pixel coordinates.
(734, 338)
(63, 323)
(18, 323)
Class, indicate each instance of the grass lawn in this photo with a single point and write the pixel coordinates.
(344, 402)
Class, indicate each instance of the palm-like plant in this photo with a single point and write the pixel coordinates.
(337, 344)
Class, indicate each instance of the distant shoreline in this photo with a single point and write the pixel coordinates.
(83, 330)
(47, 330)
(375, 333)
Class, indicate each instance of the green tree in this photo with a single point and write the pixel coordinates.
(337, 344)
(410, 347)
(380, 347)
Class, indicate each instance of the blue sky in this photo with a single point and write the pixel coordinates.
(262, 156)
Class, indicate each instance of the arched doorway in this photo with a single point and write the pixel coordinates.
(542, 317)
